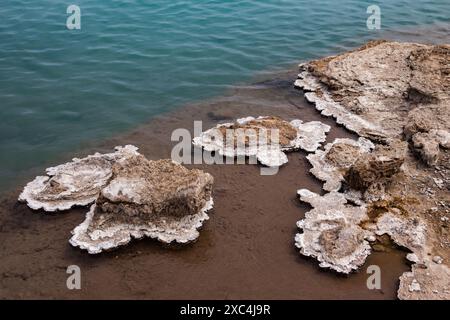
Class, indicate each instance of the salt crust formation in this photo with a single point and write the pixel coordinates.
(76, 183)
(252, 137)
(386, 90)
(392, 94)
(157, 199)
(331, 232)
(330, 164)
(134, 198)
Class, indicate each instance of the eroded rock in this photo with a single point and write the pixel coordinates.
(427, 279)
(425, 140)
(331, 164)
(157, 199)
(376, 167)
(340, 235)
(76, 183)
(255, 137)
(427, 144)
(405, 231)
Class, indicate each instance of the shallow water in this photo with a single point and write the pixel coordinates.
(245, 250)
(61, 89)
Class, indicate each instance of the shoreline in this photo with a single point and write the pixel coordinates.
(432, 34)
(396, 185)
(245, 250)
(232, 257)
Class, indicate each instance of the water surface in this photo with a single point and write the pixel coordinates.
(132, 60)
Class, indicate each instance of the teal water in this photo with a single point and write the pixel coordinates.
(131, 60)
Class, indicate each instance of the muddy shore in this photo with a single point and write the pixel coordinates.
(244, 251)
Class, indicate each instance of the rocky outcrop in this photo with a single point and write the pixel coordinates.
(76, 183)
(377, 167)
(134, 198)
(331, 164)
(428, 278)
(425, 281)
(265, 138)
(157, 199)
(339, 236)
(392, 94)
(425, 140)
(376, 90)
(427, 144)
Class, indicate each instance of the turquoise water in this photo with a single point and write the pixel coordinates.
(131, 60)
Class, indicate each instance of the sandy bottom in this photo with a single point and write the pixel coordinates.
(245, 251)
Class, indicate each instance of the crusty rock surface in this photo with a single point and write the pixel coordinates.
(76, 183)
(386, 92)
(157, 199)
(331, 232)
(339, 235)
(377, 167)
(376, 89)
(428, 144)
(331, 164)
(252, 137)
(424, 282)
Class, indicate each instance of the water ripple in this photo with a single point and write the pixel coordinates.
(134, 59)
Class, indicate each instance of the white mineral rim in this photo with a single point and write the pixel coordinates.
(165, 229)
(348, 248)
(328, 107)
(309, 137)
(78, 182)
(428, 279)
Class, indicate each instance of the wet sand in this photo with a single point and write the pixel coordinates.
(245, 251)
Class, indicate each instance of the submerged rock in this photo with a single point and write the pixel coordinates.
(76, 183)
(331, 232)
(157, 199)
(331, 164)
(266, 138)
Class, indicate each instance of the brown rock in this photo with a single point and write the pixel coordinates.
(157, 199)
(377, 166)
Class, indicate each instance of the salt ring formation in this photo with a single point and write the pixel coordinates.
(394, 180)
(132, 198)
(225, 138)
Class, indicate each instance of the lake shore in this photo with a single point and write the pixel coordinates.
(244, 251)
